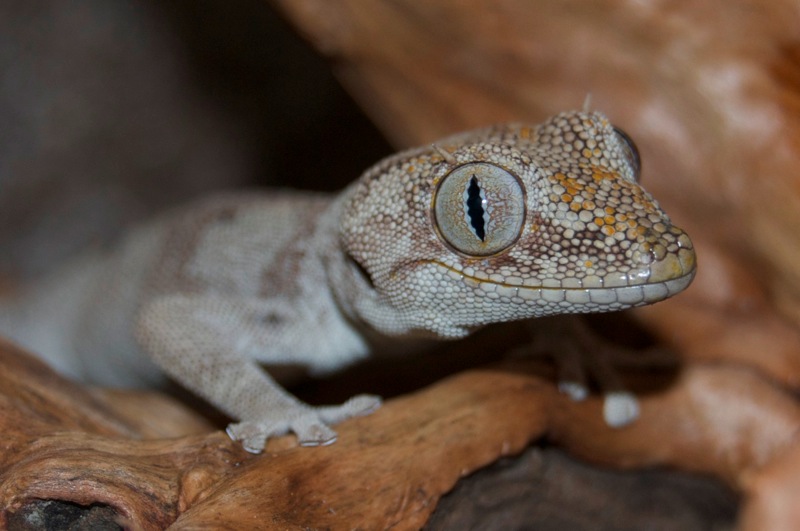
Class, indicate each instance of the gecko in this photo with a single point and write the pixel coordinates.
(504, 223)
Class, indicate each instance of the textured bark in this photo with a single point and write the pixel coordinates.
(546, 489)
(386, 470)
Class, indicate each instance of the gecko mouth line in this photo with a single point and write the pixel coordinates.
(629, 294)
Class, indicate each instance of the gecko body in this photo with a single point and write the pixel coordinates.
(499, 224)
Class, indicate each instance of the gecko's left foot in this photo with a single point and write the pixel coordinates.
(582, 355)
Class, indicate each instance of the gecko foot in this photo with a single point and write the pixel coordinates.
(582, 356)
(309, 424)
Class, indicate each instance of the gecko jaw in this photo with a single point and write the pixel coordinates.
(595, 295)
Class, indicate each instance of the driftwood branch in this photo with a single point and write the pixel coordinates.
(387, 470)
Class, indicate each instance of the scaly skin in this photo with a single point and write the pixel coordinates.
(506, 223)
(592, 239)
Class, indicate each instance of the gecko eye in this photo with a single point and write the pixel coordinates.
(479, 209)
(630, 152)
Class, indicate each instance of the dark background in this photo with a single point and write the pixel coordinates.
(113, 110)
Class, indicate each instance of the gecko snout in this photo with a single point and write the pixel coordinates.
(667, 257)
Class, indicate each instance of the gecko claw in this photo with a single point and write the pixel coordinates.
(311, 432)
(250, 434)
(318, 439)
(577, 392)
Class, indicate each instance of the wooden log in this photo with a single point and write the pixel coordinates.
(386, 470)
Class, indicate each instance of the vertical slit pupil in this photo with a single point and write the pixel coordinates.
(475, 208)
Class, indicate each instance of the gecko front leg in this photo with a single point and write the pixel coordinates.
(209, 345)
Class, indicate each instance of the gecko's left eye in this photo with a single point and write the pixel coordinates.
(479, 209)
(630, 152)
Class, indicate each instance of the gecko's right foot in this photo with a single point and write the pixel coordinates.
(310, 424)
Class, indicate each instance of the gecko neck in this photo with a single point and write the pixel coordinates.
(365, 307)
(345, 281)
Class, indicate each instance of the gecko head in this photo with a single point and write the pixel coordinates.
(508, 223)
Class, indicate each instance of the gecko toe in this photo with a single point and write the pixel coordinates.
(358, 406)
(576, 391)
(313, 433)
(252, 435)
(362, 404)
(620, 408)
